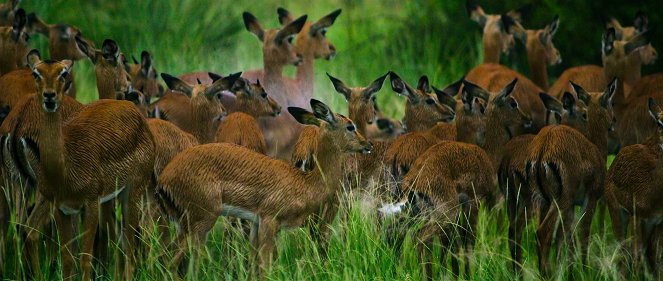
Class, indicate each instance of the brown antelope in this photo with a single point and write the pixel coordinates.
(241, 127)
(498, 31)
(541, 52)
(512, 174)
(494, 77)
(202, 111)
(61, 42)
(589, 77)
(144, 77)
(423, 111)
(566, 167)
(81, 166)
(13, 43)
(645, 55)
(384, 129)
(242, 183)
(7, 11)
(108, 67)
(633, 190)
(361, 108)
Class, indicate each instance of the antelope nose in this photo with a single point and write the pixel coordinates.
(300, 59)
(49, 95)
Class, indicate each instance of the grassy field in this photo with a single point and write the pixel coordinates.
(371, 37)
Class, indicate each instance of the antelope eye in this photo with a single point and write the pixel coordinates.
(290, 38)
(430, 101)
(351, 128)
(323, 32)
(263, 95)
(64, 75)
(584, 116)
(513, 104)
(35, 75)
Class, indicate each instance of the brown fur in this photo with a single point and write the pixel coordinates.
(144, 77)
(241, 127)
(494, 77)
(7, 11)
(448, 181)
(108, 67)
(589, 77)
(541, 52)
(498, 32)
(199, 110)
(567, 166)
(644, 55)
(278, 194)
(384, 129)
(108, 138)
(13, 44)
(633, 190)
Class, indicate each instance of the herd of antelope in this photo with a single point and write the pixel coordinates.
(214, 145)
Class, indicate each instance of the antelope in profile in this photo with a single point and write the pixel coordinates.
(242, 183)
(512, 174)
(633, 190)
(83, 161)
(144, 76)
(108, 67)
(427, 117)
(566, 167)
(645, 55)
(541, 52)
(241, 127)
(13, 43)
(498, 31)
(7, 11)
(202, 111)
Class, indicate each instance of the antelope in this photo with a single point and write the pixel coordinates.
(13, 43)
(241, 127)
(108, 67)
(566, 167)
(541, 52)
(273, 195)
(7, 11)
(512, 174)
(498, 31)
(633, 190)
(645, 55)
(202, 111)
(423, 111)
(384, 129)
(145, 77)
(113, 154)
(61, 42)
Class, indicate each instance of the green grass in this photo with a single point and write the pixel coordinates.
(411, 38)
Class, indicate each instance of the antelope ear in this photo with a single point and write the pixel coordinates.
(145, 62)
(135, 61)
(552, 27)
(384, 124)
(86, 48)
(641, 21)
(476, 12)
(284, 16)
(214, 76)
(507, 23)
(453, 88)
(222, 84)
(290, 30)
(508, 89)
(303, 116)
(20, 19)
(607, 43)
(423, 84)
(583, 95)
(33, 59)
(176, 84)
(445, 98)
(134, 97)
(68, 64)
(655, 112)
(400, 87)
(340, 87)
(471, 90)
(324, 22)
(323, 112)
(520, 13)
(551, 104)
(240, 84)
(569, 102)
(606, 97)
(252, 25)
(110, 50)
(373, 88)
(638, 41)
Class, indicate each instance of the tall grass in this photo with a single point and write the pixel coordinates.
(412, 38)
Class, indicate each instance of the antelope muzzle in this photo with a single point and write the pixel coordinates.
(50, 103)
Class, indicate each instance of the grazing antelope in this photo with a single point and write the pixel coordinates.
(512, 174)
(566, 167)
(241, 127)
(498, 31)
(108, 67)
(145, 77)
(7, 11)
(200, 111)
(13, 43)
(427, 117)
(633, 190)
(83, 161)
(235, 181)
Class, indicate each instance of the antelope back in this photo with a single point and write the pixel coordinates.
(422, 109)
